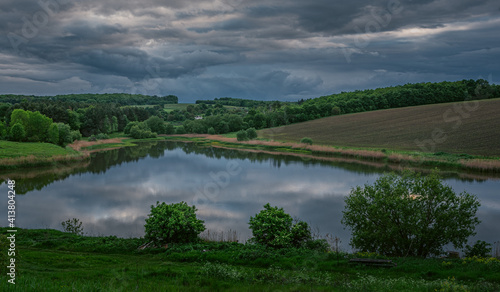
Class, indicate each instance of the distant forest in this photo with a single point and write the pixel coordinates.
(93, 114)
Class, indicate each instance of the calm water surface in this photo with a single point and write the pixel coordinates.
(112, 195)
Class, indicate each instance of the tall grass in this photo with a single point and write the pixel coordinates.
(220, 236)
(37, 161)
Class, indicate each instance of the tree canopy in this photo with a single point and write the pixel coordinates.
(409, 215)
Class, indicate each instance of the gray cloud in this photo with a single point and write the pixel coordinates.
(260, 49)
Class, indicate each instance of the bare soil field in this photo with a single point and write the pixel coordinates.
(471, 127)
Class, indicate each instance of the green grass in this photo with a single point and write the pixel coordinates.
(451, 127)
(50, 260)
(10, 149)
(180, 106)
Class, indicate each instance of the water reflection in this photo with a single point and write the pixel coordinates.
(112, 195)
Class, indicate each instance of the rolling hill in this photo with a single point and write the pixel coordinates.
(471, 127)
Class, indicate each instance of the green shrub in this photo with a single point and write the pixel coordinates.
(273, 227)
(174, 223)
(54, 134)
(211, 131)
(306, 140)
(102, 136)
(129, 126)
(75, 135)
(3, 130)
(17, 132)
(64, 134)
(251, 133)
(180, 130)
(169, 129)
(480, 249)
(241, 135)
(156, 124)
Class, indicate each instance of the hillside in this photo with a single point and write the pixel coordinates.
(462, 127)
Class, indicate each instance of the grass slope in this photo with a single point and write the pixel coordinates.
(49, 260)
(464, 127)
(10, 149)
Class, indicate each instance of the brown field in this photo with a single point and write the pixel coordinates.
(471, 127)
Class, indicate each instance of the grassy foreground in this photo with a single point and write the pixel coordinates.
(50, 260)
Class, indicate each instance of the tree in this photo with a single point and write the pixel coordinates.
(409, 215)
(174, 223)
(38, 126)
(241, 135)
(19, 116)
(65, 136)
(156, 124)
(17, 132)
(273, 227)
(306, 140)
(54, 134)
(251, 133)
(169, 129)
(180, 130)
(3, 130)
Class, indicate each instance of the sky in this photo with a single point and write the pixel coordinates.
(264, 50)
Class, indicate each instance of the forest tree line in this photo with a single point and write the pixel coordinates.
(145, 116)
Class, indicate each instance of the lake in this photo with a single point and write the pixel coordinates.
(113, 193)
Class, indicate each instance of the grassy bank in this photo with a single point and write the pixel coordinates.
(381, 158)
(49, 260)
(16, 155)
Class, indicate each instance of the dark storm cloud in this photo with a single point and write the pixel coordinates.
(255, 49)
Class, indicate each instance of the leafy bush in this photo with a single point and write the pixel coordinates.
(241, 135)
(129, 126)
(3, 130)
(169, 129)
(93, 138)
(17, 132)
(102, 136)
(64, 134)
(156, 124)
(180, 130)
(409, 215)
(75, 135)
(137, 133)
(480, 249)
(273, 227)
(306, 140)
(54, 134)
(174, 223)
(211, 131)
(251, 133)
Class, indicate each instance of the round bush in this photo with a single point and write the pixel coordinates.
(174, 223)
(306, 140)
(251, 133)
(273, 227)
(241, 135)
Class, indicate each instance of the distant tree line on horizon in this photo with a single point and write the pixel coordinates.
(143, 116)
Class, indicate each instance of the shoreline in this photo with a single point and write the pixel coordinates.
(394, 160)
(483, 167)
